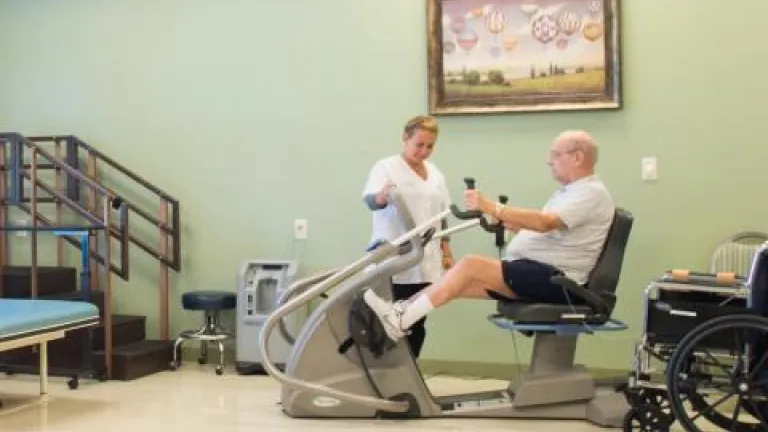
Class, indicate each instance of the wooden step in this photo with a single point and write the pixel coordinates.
(138, 359)
(16, 281)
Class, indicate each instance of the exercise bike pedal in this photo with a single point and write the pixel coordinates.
(366, 330)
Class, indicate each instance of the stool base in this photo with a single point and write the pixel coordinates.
(212, 331)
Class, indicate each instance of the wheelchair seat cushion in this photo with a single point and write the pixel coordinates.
(540, 313)
(208, 300)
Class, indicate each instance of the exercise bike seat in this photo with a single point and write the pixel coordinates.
(593, 302)
(543, 313)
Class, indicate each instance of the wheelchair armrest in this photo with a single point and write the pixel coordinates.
(593, 300)
(721, 279)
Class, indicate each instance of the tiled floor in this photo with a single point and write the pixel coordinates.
(195, 399)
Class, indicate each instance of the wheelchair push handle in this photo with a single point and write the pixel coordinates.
(686, 276)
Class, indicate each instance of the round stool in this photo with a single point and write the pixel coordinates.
(210, 302)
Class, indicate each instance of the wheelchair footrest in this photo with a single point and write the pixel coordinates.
(557, 328)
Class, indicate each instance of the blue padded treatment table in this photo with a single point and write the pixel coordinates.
(25, 322)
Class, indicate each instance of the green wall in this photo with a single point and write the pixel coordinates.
(256, 112)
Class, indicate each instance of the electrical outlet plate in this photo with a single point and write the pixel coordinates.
(300, 229)
(649, 169)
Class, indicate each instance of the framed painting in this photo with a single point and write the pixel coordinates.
(495, 56)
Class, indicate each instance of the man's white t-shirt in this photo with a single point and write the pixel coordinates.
(586, 208)
(424, 199)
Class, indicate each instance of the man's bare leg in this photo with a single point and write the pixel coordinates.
(470, 278)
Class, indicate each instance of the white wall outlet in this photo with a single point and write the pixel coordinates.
(300, 229)
(649, 169)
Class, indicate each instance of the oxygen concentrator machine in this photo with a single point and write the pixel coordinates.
(260, 285)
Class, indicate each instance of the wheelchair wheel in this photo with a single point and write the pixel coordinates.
(651, 400)
(645, 418)
(725, 385)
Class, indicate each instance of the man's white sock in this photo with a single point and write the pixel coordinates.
(416, 310)
(379, 306)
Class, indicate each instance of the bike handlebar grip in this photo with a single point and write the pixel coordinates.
(491, 228)
(465, 214)
(470, 182)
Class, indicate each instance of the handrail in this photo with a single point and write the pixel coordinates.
(135, 177)
(167, 219)
(173, 229)
(122, 233)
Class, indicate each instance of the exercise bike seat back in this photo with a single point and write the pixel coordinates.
(598, 294)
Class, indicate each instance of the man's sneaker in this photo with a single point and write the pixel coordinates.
(389, 314)
(393, 319)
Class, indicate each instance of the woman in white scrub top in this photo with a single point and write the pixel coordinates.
(425, 193)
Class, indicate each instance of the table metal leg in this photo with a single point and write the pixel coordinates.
(43, 368)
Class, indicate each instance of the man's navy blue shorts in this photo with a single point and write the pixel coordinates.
(531, 281)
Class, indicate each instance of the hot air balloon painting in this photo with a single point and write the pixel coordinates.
(493, 56)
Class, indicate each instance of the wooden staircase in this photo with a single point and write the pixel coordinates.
(80, 201)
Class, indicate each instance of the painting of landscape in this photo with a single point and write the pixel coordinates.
(523, 55)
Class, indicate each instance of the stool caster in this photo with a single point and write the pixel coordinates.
(173, 365)
(219, 370)
(202, 360)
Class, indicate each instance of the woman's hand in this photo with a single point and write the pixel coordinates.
(448, 261)
(383, 196)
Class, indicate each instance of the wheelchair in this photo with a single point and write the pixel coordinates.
(702, 360)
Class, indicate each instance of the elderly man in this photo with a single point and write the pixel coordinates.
(565, 237)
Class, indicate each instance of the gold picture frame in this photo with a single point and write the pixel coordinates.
(500, 56)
